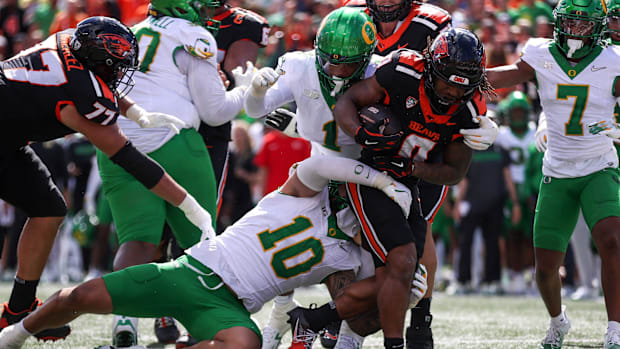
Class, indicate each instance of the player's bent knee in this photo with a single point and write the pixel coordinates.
(402, 259)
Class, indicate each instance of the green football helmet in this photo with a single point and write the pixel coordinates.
(346, 36)
(578, 26)
(517, 109)
(613, 21)
(196, 11)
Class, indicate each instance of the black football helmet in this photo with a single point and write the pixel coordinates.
(391, 13)
(457, 57)
(107, 48)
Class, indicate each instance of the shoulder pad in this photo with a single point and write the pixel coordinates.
(198, 41)
(435, 13)
(248, 16)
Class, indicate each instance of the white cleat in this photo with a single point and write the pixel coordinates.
(612, 339)
(13, 337)
(555, 334)
(271, 337)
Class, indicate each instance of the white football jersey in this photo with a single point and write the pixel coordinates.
(572, 97)
(315, 121)
(281, 244)
(517, 148)
(158, 40)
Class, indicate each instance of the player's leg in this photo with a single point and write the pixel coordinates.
(216, 140)
(556, 215)
(26, 183)
(584, 259)
(600, 201)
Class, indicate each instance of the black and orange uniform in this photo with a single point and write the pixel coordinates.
(235, 24)
(426, 134)
(424, 22)
(35, 86)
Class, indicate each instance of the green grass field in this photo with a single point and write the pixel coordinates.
(460, 322)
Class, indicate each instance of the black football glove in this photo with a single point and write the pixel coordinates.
(395, 165)
(369, 137)
(283, 120)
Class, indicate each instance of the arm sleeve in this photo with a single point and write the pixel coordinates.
(215, 105)
(316, 171)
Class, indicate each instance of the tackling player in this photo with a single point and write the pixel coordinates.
(577, 80)
(70, 83)
(292, 238)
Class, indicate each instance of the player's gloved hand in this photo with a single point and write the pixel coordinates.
(263, 80)
(243, 78)
(541, 137)
(482, 137)
(400, 194)
(418, 286)
(370, 137)
(395, 165)
(283, 120)
(605, 127)
(198, 216)
(154, 119)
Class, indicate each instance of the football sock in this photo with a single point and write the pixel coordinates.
(421, 313)
(23, 294)
(558, 320)
(613, 325)
(393, 343)
(346, 331)
(320, 317)
(278, 316)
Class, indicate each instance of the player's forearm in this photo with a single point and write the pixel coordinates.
(345, 114)
(315, 172)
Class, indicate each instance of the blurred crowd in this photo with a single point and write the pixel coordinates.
(483, 237)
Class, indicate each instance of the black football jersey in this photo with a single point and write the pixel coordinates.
(240, 24)
(426, 133)
(424, 21)
(38, 82)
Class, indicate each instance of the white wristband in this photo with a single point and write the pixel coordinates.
(134, 113)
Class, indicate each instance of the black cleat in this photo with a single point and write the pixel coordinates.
(420, 336)
(166, 330)
(329, 335)
(52, 334)
(185, 341)
(303, 336)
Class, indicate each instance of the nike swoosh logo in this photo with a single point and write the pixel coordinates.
(403, 46)
(371, 143)
(398, 164)
(597, 68)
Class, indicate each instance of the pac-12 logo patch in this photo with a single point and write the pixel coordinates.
(410, 102)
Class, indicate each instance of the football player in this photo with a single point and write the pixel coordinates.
(436, 96)
(177, 74)
(515, 138)
(294, 237)
(577, 82)
(72, 82)
(240, 34)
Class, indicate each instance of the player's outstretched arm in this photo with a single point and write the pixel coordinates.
(359, 95)
(111, 141)
(510, 75)
(315, 172)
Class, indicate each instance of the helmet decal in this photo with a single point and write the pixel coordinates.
(116, 45)
(369, 33)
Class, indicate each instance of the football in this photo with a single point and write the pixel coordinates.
(376, 113)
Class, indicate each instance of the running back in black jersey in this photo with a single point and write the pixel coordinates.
(426, 133)
(240, 24)
(38, 82)
(422, 22)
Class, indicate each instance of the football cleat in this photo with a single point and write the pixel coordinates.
(420, 336)
(271, 338)
(166, 330)
(303, 336)
(555, 334)
(52, 334)
(125, 333)
(329, 335)
(612, 339)
(185, 341)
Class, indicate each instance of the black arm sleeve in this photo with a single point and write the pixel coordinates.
(144, 169)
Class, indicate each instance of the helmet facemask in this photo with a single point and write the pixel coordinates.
(578, 26)
(389, 13)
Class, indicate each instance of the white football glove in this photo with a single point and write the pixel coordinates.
(400, 194)
(541, 137)
(154, 119)
(263, 80)
(283, 120)
(244, 78)
(605, 127)
(481, 138)
(198, 216)
(419, 286)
